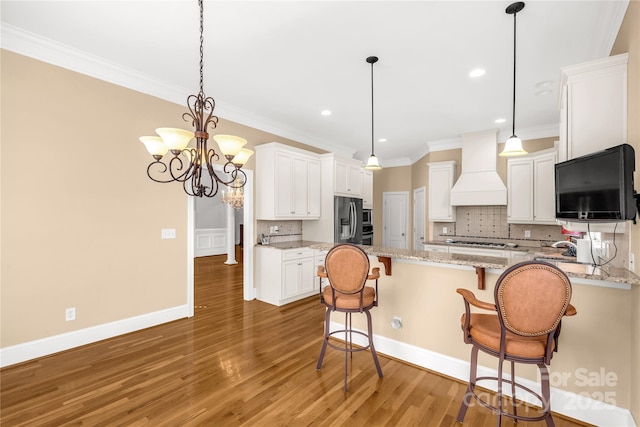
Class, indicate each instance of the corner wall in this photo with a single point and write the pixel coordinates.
(628, 40)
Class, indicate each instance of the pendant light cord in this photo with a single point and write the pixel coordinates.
(200, 3)
(513, 122)
(372, 138)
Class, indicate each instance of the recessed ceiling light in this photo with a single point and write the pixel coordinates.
(501, 120)
(477, 72)
(382, 140)
(543, 92)
(326, 112)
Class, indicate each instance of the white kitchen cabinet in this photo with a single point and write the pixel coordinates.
(287, 183)
(531, 188)
(544, 189)
(284, 276)
(319, 257)
(367, 189)
(442, 176)
(313, 188)
(436, 248)
(593, 109)
(520, 190)
(348, 180)
(479, 251)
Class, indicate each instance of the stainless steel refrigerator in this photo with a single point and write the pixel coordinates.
(348, 220)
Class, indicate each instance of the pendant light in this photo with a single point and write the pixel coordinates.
(513, 145)
(372, 161)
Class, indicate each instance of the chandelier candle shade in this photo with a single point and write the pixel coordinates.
(372, 161)
(513, 145)
(194, 166)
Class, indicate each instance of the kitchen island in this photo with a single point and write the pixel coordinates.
(590, 373)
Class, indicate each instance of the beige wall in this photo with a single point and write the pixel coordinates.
(80, 220)
(425, 298)
(628, 40)
(388, 179)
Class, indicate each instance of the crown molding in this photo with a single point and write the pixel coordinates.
(46, 50)
(615, 12)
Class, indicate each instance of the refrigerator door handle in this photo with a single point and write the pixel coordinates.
(352, 219)
(355, 220)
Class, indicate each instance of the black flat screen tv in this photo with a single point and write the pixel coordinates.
(597, 187)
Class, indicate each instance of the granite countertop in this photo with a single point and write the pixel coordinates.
(293, 244)
(584, 271)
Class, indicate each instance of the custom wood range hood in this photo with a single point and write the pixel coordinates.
(479, 183)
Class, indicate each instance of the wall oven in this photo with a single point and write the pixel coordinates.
(367, 235)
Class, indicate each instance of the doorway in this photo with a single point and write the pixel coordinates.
(395, 219)
(248, 291)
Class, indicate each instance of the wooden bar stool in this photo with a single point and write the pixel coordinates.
(347, 269)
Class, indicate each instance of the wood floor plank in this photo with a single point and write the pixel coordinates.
(235, 363)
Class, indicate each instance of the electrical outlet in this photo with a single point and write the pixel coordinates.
(632, 262)
(276, 229)
(527, 234)
(70, 314)
(396, 322)
(444, 230)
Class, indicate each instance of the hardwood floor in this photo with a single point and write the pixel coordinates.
(235, 363)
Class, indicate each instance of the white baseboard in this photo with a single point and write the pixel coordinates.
(562, 402)
(50, 345)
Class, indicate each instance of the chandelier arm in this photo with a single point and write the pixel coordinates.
(179, 165)
(162, 171)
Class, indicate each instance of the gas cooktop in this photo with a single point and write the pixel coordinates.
(482, 244)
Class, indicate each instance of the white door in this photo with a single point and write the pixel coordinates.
(418, 218)
(395, 219)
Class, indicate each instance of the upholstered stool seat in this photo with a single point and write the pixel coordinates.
(485, 330)
(347, 270)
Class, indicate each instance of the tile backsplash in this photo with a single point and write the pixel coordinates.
(490, 223)
(288, 231)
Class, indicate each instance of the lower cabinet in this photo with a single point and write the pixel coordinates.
(285, 275)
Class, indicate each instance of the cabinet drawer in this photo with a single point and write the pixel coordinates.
(436, 248)
(320, 252)
(296, 253)
(479, 252)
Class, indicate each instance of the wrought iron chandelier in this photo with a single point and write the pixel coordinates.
(194, 166)
(513, 145)
(234, 197)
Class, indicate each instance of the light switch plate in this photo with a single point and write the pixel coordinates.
(168, 233)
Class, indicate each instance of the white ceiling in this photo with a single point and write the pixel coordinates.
(276, 65)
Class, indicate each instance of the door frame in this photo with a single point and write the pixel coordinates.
(247, 247)
(422, 190)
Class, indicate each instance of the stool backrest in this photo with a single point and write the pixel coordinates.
(347, 267)
(532, 297)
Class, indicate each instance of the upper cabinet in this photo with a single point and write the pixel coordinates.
(442, 176)
(347, 178)
(367, 189)
(531, 188)
(287, 183)
(593, 109)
